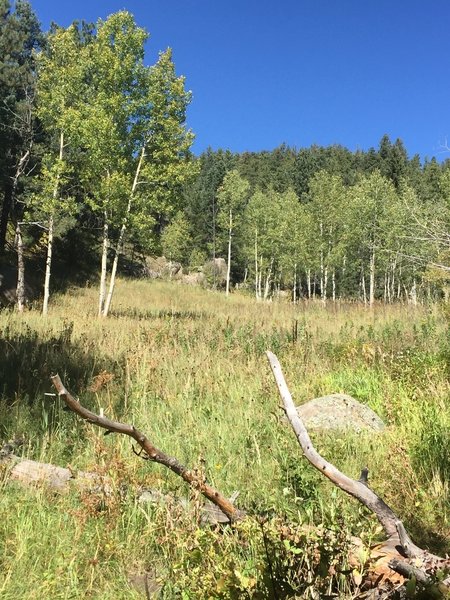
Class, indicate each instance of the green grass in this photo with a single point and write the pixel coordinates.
(187, 367)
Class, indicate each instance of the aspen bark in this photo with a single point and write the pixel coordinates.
(333, 282)
(118, 249)
(363, 286)
(256, 264)
(20, 290)
(230, 230)
(48, 262)
(48, 266)
(104, 265)
(372, 278)
(294, 289)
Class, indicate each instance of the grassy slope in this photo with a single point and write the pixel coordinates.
(187, 366)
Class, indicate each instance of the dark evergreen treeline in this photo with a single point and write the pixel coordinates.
(325, 221)
(93, 146)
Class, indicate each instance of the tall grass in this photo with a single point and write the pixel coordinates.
(187, 366)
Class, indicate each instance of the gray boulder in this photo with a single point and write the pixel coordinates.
(338, 412)
(215, 272)
(161, 268)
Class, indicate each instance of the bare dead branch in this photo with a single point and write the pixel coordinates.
(151, 451)
(358, 489)
(407, 570)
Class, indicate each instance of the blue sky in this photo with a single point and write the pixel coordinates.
(299, 71)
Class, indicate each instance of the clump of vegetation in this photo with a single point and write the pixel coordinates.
(201, 387)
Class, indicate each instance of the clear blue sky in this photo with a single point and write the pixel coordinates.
(299, 71)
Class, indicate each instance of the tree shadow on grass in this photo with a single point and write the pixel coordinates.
(28, 359)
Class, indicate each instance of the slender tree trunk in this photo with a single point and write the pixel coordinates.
(363, 286)
(104, 266)
(344, 270)
(308, 283)
(260, 279)
(414, 293)
(51, 222)
(48, 265)
(256, 264)
(333, 282)
(214, 229)
(118, 249)
(372, 279)
(268, 280)
(294, 288)
(324, 283)
(6, 209)
(20, 290)
(230, 231)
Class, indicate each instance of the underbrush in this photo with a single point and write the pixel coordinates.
(187, 367)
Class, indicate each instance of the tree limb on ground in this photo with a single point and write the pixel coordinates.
(422, 564)
(150, 451)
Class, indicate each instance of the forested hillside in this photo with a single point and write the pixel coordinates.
(95, 160)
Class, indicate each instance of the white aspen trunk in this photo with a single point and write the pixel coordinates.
(321, 263)
(314, 286)
(48, 262)
(294, 289)
(392, 289)
(230, 230)
(333, 282)
(363, 287)
(48, 266)
(20, 290)
(112, 281)
(267, 283)
(256, 264)
(308, 283)
(414, 293)
(324, 283)
(260, 279)
(104, 266)
(372, 279)
(386, 280)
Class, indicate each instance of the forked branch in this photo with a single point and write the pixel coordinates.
(392, 526)
(151, 451)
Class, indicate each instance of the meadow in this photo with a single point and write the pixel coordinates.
(187, 367)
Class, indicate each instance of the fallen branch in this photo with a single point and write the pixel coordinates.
(398, 538)
(150, 451)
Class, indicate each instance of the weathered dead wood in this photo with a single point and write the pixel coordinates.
(398, 547)
(150, 451)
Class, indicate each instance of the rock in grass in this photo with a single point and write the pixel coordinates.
(338, 412)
